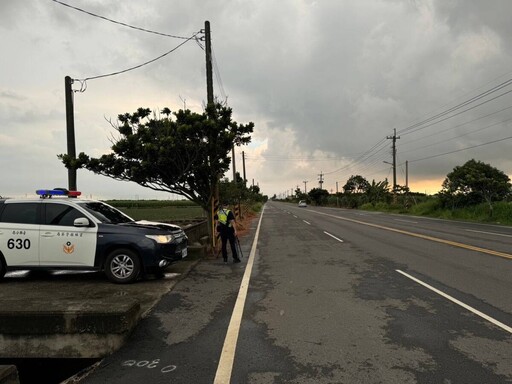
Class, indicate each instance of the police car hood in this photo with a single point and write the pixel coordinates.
(153, 224)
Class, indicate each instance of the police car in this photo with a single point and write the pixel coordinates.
(70, 233)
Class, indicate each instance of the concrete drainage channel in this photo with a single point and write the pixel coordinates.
(53, 325)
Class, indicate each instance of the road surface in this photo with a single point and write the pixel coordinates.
(328, 295)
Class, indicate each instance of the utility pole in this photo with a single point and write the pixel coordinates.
(209, 71)
(394, 137)
(234, 163)
(243, 165)
(321, 179)
(337, 198)
(406, 173)
(70, 130)
(209, 102)
(305, 184)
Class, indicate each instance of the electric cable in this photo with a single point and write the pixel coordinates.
(504, 84)
(457, 137)
(140, 65)
(462, 149)
(455, 126)
(457, 114)
(118, 22)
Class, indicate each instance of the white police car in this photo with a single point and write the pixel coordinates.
(70, 233)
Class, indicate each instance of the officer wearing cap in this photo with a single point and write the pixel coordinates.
(225, 226)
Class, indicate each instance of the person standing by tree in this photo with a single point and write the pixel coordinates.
(226, 226)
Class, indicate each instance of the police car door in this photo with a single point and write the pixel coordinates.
(62, 243)
(19, 233)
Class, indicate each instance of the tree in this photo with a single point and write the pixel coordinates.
(475, 182)
(356, 184)
(318, 195)
(378, 191)
(185, 153)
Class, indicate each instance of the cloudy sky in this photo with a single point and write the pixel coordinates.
(326, 83)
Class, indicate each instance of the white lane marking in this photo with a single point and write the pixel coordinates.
(295, 216)
(307, 222)
(406, 221)
(458, 302)
(227, 357)
(488, 233)
(334, 237)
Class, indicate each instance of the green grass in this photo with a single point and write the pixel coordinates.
(158, 210)
(501, 213)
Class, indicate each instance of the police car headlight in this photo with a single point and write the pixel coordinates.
(161, 239)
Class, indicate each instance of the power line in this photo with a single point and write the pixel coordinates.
(456, 126)
(118, 22)
(406, 130)
(457, 137)
(140, 65)
(460, 150)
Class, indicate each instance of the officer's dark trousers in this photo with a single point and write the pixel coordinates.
(225, 236)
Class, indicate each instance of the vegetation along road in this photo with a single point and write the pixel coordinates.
(327, 295)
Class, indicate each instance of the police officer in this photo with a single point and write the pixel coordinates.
(225, 226)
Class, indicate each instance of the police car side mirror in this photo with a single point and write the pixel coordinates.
(81, 222)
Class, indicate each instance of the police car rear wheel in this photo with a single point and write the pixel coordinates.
(122, 266)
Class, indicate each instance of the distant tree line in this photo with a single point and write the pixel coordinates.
(467, 185)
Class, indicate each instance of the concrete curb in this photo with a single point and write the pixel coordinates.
(9, 374)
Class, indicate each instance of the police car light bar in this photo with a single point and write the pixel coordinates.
(44, 193)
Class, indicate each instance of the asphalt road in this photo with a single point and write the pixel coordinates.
(335, 296)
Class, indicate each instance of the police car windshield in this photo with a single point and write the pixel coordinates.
(105, 213)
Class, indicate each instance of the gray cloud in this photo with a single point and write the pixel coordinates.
(324, 81)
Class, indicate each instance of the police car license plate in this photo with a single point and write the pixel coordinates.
(184, 252)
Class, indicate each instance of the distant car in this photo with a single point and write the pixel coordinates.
(302, 203)
(70, 233)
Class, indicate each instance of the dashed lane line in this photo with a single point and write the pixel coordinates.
(334, 237)
(425, 237)
(458, 302)
(488, 233)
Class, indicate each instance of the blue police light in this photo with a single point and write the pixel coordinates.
(48, 193)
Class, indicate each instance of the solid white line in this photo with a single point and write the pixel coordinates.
(406, 221)
(307, 222)
(227, 357)
(334, 237)
(471, 309)
(488, 233)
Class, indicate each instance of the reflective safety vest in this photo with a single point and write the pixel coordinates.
(223, 217)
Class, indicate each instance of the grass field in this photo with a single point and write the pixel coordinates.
(158, 210)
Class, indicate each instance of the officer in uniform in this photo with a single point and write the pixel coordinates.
(225, 226)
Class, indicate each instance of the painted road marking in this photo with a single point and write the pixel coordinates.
(458, 302)
(295, 216)
(488, 233)
(227, 357)
(307, 222)
(425, 237)
(406, 221)
(334, 237)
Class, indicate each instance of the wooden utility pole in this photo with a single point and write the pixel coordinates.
(394, 137)
(70, 130)
(243, 165)
(209, 71)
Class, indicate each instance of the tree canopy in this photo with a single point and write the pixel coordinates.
(182, 152)
(475, 182)
(356, 184)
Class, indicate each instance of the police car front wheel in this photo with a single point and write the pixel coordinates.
(122, 266)
(3, 269)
